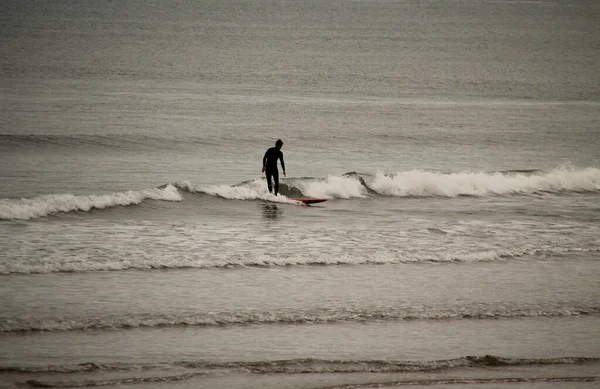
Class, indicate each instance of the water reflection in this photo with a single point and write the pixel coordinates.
(271, 211)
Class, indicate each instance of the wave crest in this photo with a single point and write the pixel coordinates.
(23, 209)
(414, 183)
(424, 184)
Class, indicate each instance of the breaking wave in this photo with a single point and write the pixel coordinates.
(416, 183)
(24, 209)
(411, 184)
(249, 190)
(424, 184)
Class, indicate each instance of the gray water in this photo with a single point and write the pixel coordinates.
(456, 142)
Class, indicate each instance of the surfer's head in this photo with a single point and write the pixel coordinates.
(279, 143)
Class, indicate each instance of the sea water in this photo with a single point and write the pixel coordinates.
(457, 143)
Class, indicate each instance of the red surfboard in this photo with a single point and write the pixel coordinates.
(307, 200)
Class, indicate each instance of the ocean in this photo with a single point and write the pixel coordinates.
(457, 143)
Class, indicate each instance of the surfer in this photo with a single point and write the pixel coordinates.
(270, 165)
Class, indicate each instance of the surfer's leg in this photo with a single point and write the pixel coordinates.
(268, 174)
(276, 179)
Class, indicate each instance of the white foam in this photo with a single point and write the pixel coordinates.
(253, 190)
(24, 209)
(416, 183)
(333, 187)
(426, 184)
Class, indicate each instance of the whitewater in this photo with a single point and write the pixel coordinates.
(414, 183)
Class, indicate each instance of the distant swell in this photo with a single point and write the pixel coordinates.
(321, 315)
(111, 382)
(309, 365)
(24, 209)
(118, 142)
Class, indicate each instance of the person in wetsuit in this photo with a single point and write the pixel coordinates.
(270, 165)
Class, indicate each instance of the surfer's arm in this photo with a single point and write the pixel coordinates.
(265, 161)
(282, 163)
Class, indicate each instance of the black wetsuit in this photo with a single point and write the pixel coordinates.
(270, 165)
